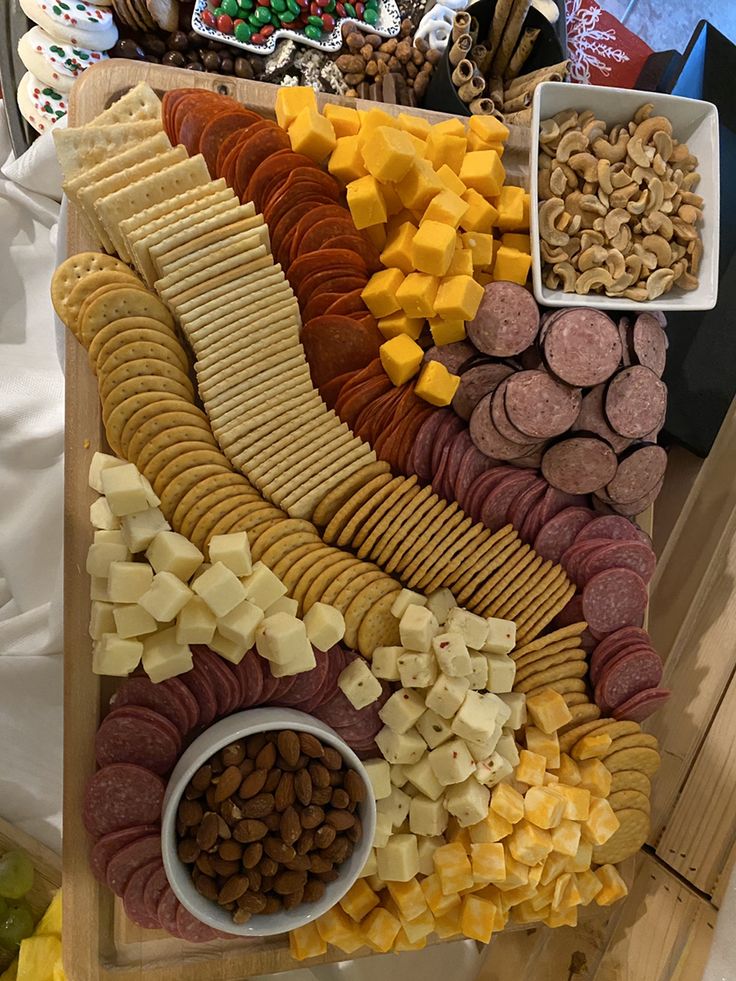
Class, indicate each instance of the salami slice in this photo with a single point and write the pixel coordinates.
(458, 448)
(307, 683)
(592, 419)
(216, 132)
(447, 432)
(475, 383)
(650, 343)
(573, 558)
(251, 679)
(603, 656)
(582, 347)
(336, 661)
(168, 905)
(635, 507)
(472, 465)
(524, 502)
(625, 677)
(191, 929)
(106, 846)
(133, 739)
(501, 420)
(174, 701)
(556, 501)
(121, 796)
(453, 356)
(270, 684)
(486, 436)
(424, 445)
(612, 599)
(201, 687)
(638, 473)
(572, 612)
(640, 706)
(636, 401)
(335, 344)
(539, 405)
(133, 896)
(507, 320)
(612, 526)
(481, 487)
(125, 862)
(622, 555)
(579, 464)
(154, 890)
(494, 513)
(224, 683)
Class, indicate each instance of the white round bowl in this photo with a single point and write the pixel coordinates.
(240, 726)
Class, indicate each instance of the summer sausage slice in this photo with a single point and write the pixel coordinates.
(642, 705)
(488, 439)
(636, 401)
(475, 383)
(558, 534)
(507, 320)
(453, 356)
(650, 343)
(579, 465)
(592, 419)
(613, 599)
(582, 347)
(626, 676)
(122, 795)
(539, 405)
(638, 473)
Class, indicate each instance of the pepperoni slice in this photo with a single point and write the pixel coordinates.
(271, 169)
(226, 148)
(264, 138)
(330, 391)
(351, 302)
(218, 130)
(334, 345)
(361, 246)
(325, 259)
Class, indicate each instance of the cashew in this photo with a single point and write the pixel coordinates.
(548, 131)
(695, 199)
(695, 249)
(659, 282)
(620, 178)
(634, 266)
(594, 128)
(573, 247)
(567, 274)
(602, 196)
(622, 195)
(590, 238)
(637, 205)
(656, 194)
(679, 153)
(614, 220)
(689, 213)
(691, 180)
(660, 247)
(667, 207)
(664, 144)
(622, 240)
(616, 264)
(620, 284)
(656, 223)
(637, 293)
(572, 142)
(603, 171)
(591, 279)
(563, 221)
(590, 187)
(613, 152)
(683, 231)
(570, 176)
(566, 119)
(659, 166)
(635, 150)
(558, 181)
(584, 118)
(545, 162)
(648, 259)
(614, 132)
(549, 212)
(575, 224)
(643, 112)
(593, 256)
(640, 174)
(688, 282)
(551, 280)
(679, 251)
(654, 124)
(588, 202)
(598, 224)
(670, 189)
(679, 269)
(552, 255)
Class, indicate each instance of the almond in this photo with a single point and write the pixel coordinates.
(253, 784)
(227, 784)
(354, 786)
(258, 806)
(278, 850)
(288, 882)
(284, 795)
(249, 830)
(233, 889)
(303, 787)
(207, 831)
(290, 827)
(311, 746)
(289, 746)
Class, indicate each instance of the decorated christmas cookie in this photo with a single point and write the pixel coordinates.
(53, 62)
(74, 22)
(42, 105)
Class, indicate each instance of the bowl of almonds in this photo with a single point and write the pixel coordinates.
(268, 820)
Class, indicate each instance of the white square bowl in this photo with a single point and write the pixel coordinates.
(693, 122)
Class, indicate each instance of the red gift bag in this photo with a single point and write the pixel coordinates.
(602, 51)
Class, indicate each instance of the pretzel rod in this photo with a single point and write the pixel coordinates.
(522, 118)
(463, 73)
(523, 50)
(481, 56)
(519, 102)
(530, 81)
(482, 107)
(500, 16)
(471, 89)
(495, 91)
(510, 36)
(460, 49)
(460, 25)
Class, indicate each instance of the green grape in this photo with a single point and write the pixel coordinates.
(16, 874)
(15, 924)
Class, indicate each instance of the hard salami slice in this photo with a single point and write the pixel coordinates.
(613, 644)
(104, 849)
(579, 465)
(627, 675)
(475, 383)
(571, 613)
(582, 347)
(612, 526)
(458, 448)
(481, 487)
(524, 502)
(447, 432)
(251, 679)
(166, 911)
(308, 683)
(335, 344)
(650, 343)
(453, 356)
(592, 419)
(134, 739)
(573, 558)
(124, 863)
(506, 322)
(224, 684)
(556, 501)
(486, 436)
(133, 896)
(539, 405)
(612, 599)
(424, 445)
(622, 555)
(270, 684)
(169, 698)
(638, 473)
(472, 465)
(191, 929)
(121, 796)
(636, 401)
(640, 706)
(200, 686)
(154, 890)
(495, 507)
(336, 661)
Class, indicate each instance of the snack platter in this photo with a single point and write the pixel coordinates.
(104, 941)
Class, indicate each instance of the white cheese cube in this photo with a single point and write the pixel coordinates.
(131, 620)
(507, 747)
(241, 623)
(421, 775)
(116, 656)
(233, 550)
(153, 500)
(427, 817)
(481, 749)
(398, 861)
(433, 729)
(284, 604)
(232, 650)
(501, 672)
(166, 595)
(383, 831)
(141, 528)
(262, 587)
(395, 806)
(379, 774)
(516, 704)
(417, 670)
(358, 684)
(446, 695)
(417, 627)
(452, 654)
(493, 770)
(477, 717)
(473, 628)
(172, 552)
(110, 536)
(427, 846)
(102, 554)
(385, 662)
(302, 659)
(398, 775)
(98, 463)
(195, 622)
(468, 802)
(98, 588)
(101, 620)
(370, 867)
(325, 625)
(200, 572)
(478, 677)
(402, 709)
(400, 747)
(451, 762)
(101, 516)
(405, 599)
(440, 602)
(128, 581)
(221, 589)
(281, 638)
(124, 489)
(501, 638)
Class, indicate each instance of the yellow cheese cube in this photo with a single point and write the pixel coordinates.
(493, 827)
(455, 833)
(517, 873)
(577, 801)
(403, 217)
(489, 128)
(548, 710)
(377, 235)
(461, 263)
(436, 385)
(400, 357)
(312, 134)
(584, 857)
(560, 897)
(393, 202)
(451, 181)
(481, 214)
(458, 298)
(530, 768)
(420, 185)
(481, 246)
(366, 202)
(345, 121)
(560, 918)
(446, 331)
(432, 248)
(545, 745)
(448, 925)
(507, 802)
(589, 885)
(444, 148)
(346, 163)
(447, 207)
(529, 843)
(398, 323)
(601, 822)
(478, 919)
(476, 142)
(370, 121)
(544, 807)
(554, 865)
(483, 171)
(380, 929)
(452, 865)
(417, 293)
(517, 240)
(420, 147)
(568, 771)
(379, 294)
(595, 777)
(397, 251)
(415, 125)
(591, 746)
(488, 862)
(454, 127)
(59, 972)
(520, 894)
(437, 901)
(566, 837)
(510, 204)
(526, 204)
(290, 100)
(388, 153)
(614, 886)
(305, 941)
(402, 942)
(418, 927)
(511, 265)
(409, 898)
(359, 900)
(335, 926)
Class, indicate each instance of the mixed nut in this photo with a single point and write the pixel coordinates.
(618, 212)
(267, 821)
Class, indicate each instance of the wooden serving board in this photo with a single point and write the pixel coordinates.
(99, 940)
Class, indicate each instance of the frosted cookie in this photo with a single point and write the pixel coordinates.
(53, 62)
(74, 22)
(42, 105)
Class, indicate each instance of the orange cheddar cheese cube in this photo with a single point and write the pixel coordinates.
(445, 148)
(420, 147)
(398, 323)
(483, 171)
(290, 100)
(595, 777)
(508, 802)
(517, 240)
(591, 745)
(546, 745)
(589, 885)
(511, 265)
(548, 710)
(380, 929)
(481, 214)
(409, 898)
(416, 295)
(359, 900)
(379, 294)
(433, 247)
(446, 207)
(453, 867)
(455, 833)
(305, 941)
(489, 128)
(419, 185)
(415, 125)
(420, 926)
(388, 153)
(346, 163)
(566, 837)
(529, 843)
(461, 263)
(478, 919)
(614, 886)
(601, 822)
(451, 181)
(397, 251)
(403, 943)
(448, 925)
(345, 121)
(493, 827)
(454, 126)
(335, 927)
(517, 873)
(568, 771)
(366, 202)
(565, 892)
(458, 298)
(394, 205)
(530, 768)
(481, 246)
(543, 807)
(371, 120)
(510, 204)
(446, 331)
(401, 358)
(476, 142)
(312, 134)
(436, 385)
(554, 865)
(438, 901)
(577, 802)
(488, 861)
